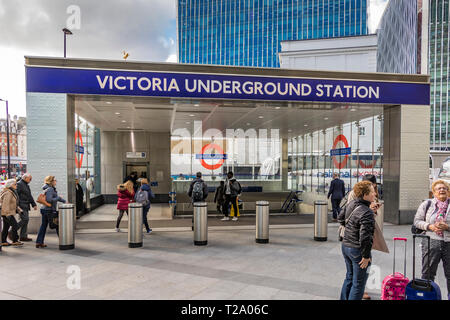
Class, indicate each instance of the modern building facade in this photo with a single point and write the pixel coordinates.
(351, 54)
(250, 32)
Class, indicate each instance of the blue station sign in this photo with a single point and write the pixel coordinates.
(340, 152)
(221, 86)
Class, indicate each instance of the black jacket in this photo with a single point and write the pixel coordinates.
(205, 188)
(337, 189)
(360, 228)
(25, 197)
(219, 196)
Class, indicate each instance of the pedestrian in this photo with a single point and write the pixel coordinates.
(79, 196)
(133, 178)
(143, 196)
(49, 210)
(198, 190)
(232, 191)
(359, 222)
(219, 197)
(25, 202)
(125, 194)
(9, 201)
(337, 193)
(433, 217)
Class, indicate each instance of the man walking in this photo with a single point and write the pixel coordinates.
(337, 193)
(25, 201)
(232, 191)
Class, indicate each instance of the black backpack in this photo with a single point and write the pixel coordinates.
(415, 230)
(197, 191)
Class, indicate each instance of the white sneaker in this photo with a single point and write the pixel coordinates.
(117, 229)
(235, 219)
(225, 219)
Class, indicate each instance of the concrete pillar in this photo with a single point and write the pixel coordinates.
(50, 146)
(405, 161)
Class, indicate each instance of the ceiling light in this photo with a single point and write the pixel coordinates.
(277, 108)
(196, 105)
(305, 125)
(117, 113)
(261, 117)
(123, 121)
(325, 118)
(192, 115)
(108, 102)
(289, 130)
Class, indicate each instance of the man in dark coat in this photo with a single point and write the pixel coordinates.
(79, 195)
(133, 178)
(337, 193)
(25, 201)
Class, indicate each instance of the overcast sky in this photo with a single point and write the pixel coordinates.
(144, 28)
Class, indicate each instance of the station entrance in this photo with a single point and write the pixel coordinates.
(279, 131)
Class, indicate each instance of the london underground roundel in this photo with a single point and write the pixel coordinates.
(214, 156)
(79, 149)
(343, 163)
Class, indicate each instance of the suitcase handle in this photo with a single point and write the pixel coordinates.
(414, 257)
(400, 239)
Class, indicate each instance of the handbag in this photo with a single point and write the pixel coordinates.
(341, 230)
(378, 240)
(42, 199)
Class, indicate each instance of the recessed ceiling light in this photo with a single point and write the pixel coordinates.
(305, 125)
(196, 105)
(192, 115)
(123, 121)
(108, 102)
(117, 113)
(277, 108)
(261, 117)
(325, 118)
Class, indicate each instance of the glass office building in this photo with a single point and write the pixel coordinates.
(249, 32)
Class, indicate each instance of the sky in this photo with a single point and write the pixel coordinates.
(146, 29)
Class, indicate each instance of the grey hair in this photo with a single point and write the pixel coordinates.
(26, 175)
(10, 182)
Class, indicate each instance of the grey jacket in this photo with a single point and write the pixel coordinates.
(423, 219)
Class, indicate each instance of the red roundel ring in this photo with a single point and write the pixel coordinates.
(219, 150)
(343, 139)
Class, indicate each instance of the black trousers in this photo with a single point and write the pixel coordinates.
(226, 204)
(121, 212)
(10, 221)
(335, 204)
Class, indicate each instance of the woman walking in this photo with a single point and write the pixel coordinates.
(10, 207)
(433, 216)
(359, 222)
(125, 194)
(47, 211)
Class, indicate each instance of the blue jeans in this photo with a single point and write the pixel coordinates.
(356, 278)
(44, 225)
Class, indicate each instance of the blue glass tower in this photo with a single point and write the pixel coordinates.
(249, 32)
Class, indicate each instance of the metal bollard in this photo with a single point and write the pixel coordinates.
(262, 222)
(320, 220)
(66, 226)
(200, 223)
(135, 221)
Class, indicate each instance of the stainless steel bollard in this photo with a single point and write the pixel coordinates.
(200, 223)
(66, 226)
(135, 221)
(262, 222)
(320, 220)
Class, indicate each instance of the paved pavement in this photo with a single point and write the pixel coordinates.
(169, 266)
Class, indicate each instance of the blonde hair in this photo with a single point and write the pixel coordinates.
(362, 188)
(129, 186)
(49, 179)
(439, 182)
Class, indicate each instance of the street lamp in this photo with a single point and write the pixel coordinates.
(7, 138)
(66, 32)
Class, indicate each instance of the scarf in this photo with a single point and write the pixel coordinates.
(442, 213)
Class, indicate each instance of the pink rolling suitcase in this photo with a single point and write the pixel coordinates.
(394, 285)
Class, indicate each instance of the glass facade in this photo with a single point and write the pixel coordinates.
(85, 158)
(438, 68)
(311, 165)
(249, 32)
